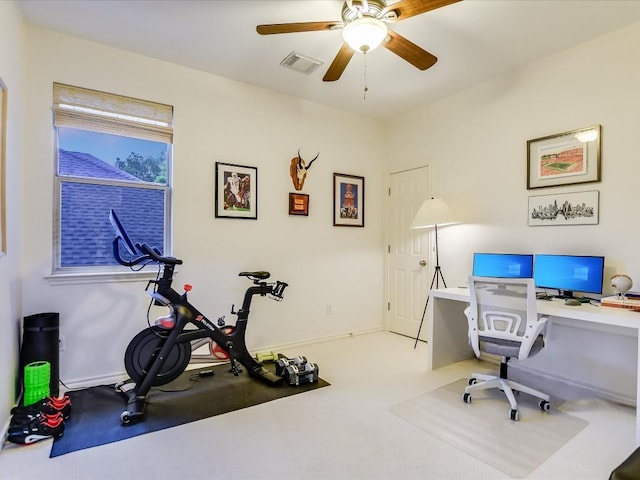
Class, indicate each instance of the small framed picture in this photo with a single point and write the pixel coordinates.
(298, 204)
(348, 200)
(236, 192)
(575, 208)
(567, 158)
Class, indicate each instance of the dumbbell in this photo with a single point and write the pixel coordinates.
(264, 357)
(299, 374)
(283, 362)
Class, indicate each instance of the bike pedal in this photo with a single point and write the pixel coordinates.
(125, 387)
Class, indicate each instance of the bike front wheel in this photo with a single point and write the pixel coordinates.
(143, 351)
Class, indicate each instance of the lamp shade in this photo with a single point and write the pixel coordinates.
(433, 212)
(364, 34)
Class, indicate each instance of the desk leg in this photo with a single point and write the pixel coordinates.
(447, 340)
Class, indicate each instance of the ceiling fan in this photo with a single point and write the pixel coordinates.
(364, 24)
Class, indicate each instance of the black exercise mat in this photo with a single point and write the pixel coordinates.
(95, 411)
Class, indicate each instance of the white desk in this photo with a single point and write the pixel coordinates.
(447, 331)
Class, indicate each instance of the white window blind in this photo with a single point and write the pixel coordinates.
(87, 109)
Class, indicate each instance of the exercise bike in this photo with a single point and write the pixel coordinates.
(160, 353)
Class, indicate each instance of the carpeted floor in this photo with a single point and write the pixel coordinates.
(95, 415)
(344, 431)
(483, 429)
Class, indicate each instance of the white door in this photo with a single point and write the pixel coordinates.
(408, 253)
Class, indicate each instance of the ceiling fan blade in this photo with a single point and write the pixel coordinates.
(409, 51)
(409, 8)
(339, 64)
(274, 28)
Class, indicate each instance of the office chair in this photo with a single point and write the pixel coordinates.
(503, 320)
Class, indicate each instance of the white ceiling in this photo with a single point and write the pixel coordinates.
(474, 40)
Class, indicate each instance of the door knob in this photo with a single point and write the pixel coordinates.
(423, 263)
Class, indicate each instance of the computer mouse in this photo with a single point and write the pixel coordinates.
(572, 302)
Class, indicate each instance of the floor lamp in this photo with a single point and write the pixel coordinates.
(433, 213)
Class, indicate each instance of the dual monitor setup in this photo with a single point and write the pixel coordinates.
(565, 273)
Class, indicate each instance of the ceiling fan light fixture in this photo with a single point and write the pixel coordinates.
(364, 34)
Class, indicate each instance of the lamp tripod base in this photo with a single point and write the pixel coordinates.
(437, 276)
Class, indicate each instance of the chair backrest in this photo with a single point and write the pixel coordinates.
(504, 309)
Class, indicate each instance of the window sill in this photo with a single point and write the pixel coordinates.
(100, 277)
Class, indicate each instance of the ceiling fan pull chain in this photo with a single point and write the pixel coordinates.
(364, 93)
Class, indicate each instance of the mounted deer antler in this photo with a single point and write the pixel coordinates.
(298, 170)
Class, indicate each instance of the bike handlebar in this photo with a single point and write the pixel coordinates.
(148, 254)
(277, 291)
(153, 254)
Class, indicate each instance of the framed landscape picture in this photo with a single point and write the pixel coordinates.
(566, 158)
(236, 192)
(348, 200)
(574, 208)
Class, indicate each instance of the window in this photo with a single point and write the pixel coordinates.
(111, 152)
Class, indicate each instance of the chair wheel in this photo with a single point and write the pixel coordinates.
(466, 398)
(472, 381)
(544, 405)
(514, 415)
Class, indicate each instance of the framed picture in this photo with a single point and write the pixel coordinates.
(566, 158)
(298, 204)
(576, 208)
(3, 184)
(348, 200)
(236, 191)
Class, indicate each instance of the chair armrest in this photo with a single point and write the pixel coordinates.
(472, 331)
(540, 328)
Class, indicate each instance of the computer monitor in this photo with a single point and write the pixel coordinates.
(569, 273)
(503, 265)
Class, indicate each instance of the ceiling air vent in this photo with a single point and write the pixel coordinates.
(301, 63)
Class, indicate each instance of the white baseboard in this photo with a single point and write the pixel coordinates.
(595, 390)
(289, 346)
(78, 384)
(5, 432)
(112, 378)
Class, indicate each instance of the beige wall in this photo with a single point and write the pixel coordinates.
(11, 68)
(216, 119)
(475, 142)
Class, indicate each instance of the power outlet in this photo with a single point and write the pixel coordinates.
(61, 343)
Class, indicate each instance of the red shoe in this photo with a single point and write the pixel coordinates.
(22, 418)
(48, 405)
(36, 429)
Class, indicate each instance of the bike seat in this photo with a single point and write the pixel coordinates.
(261, 275)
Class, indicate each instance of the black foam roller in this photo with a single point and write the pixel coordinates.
(40, 342)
